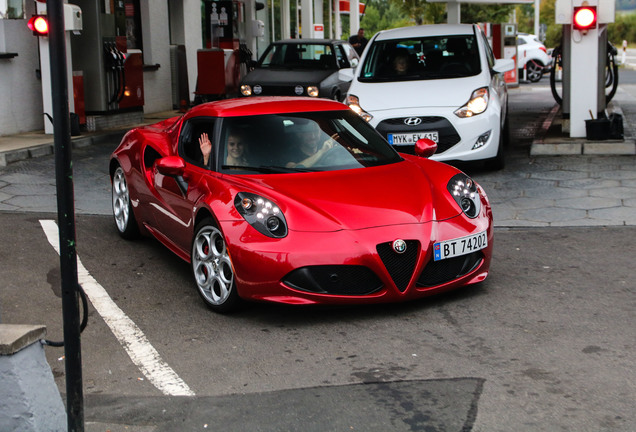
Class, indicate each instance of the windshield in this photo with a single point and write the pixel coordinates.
(298, 142)
(435, 57)
(298, 56)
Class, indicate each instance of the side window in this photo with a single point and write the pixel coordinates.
(192, 130)
(351, 54)
(341, 57)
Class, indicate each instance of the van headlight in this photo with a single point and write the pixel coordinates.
(477, 104)
(354, 104)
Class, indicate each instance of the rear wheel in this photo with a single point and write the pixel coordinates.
(534, 71)
(122, 209)
(212, 268)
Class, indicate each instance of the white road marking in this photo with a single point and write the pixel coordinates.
(139, 349)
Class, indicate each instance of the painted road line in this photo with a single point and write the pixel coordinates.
(139, 349)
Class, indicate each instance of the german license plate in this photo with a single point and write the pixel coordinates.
(459, 246)
(411, 138)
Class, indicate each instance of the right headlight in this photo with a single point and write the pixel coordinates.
(265, 216)
(466, 193)
(477, 104)
(354, 104)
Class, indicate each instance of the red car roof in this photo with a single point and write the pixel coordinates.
(263, 105)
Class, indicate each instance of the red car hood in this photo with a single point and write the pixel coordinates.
(400, 193)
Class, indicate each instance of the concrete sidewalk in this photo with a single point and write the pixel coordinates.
(28, 145)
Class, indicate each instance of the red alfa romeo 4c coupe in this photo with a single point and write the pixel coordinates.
(299, 201)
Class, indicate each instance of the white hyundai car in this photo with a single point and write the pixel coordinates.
(440, 82)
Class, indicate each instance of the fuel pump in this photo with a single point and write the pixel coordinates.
(110, 62)
(583, 56)
(231, 30)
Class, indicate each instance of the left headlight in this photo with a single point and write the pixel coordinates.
(265, 216)
(477, 104)
(466, 193)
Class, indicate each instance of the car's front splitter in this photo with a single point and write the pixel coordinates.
(355, 266)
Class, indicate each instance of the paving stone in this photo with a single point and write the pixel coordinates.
(618, 174)
(588, 203)
(519, 223)
(560, 175)
(29, 189)
(585, 222)
(625, 215)
(615, 192)
(630, 202)
(552, 214)
(589, 183)
(4, 196)
(555, 193)
(41, 203)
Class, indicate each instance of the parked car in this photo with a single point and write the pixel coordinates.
(316, 212)
(452, 91)
(533, 56)
(302, 68)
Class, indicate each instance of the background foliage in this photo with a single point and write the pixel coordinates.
(385, 14)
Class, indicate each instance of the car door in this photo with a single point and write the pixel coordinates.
(497, 80)
(178, 195)
(347, 58)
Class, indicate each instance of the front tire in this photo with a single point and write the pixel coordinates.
(122, 209)
(212, 268)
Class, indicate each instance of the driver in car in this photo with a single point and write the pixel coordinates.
(309, 148)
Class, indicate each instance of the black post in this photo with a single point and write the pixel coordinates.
(66, 216)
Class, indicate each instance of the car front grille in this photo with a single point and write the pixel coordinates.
(399, 265)
(439, 272)
(286, 90)
(334, 279)
(448, 135)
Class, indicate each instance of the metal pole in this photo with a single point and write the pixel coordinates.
(66, 216)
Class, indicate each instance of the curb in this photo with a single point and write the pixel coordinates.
(47, 148)
(566, 146)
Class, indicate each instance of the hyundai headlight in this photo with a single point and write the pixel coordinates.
(354, 104)
(265, 216)
(312, 91)
(466, 193)
(477, 104)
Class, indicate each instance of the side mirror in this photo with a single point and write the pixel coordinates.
(354, 62)
(172, 166)
(425, 147)
(345, 74)
(503, 65)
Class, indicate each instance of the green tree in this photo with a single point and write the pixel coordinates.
(478, 13)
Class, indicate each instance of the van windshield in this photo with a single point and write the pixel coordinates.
(435, 57)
